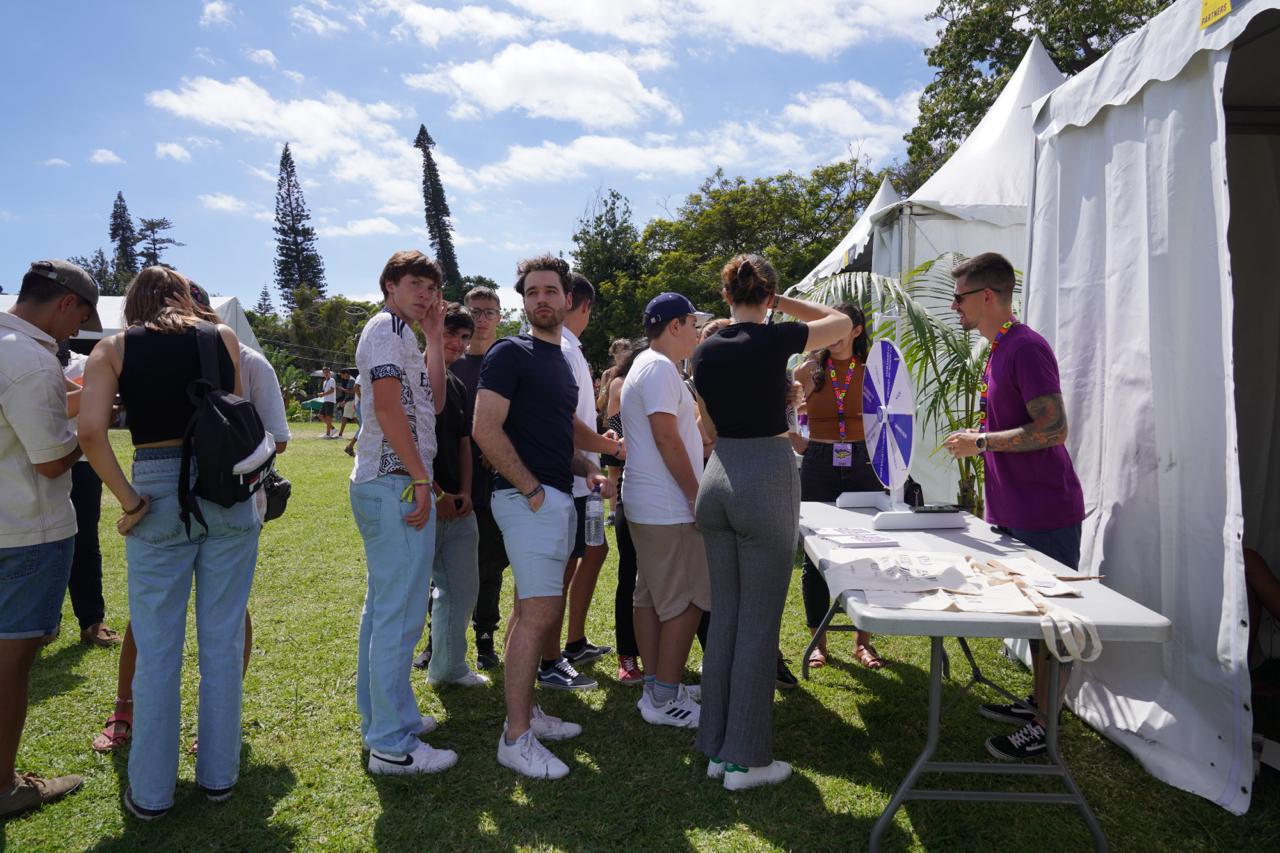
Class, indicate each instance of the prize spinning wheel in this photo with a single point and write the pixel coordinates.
(888, 415)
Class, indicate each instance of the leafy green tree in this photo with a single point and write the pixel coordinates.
(607, 251)
(470, 281)
(99, 267)
(980, 44)
(436, 208)
(125, 240)
(265, 305)
(298, 263)
(153, 242)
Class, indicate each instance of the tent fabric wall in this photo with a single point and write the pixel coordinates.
(1129, 277)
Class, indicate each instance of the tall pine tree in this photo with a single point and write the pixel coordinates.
(153, 243)
(439, 228)
(264, 306)
(298, 264)
(124, 260)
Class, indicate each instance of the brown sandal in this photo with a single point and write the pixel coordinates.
(112, 737)
(817, 659)
(869, 657)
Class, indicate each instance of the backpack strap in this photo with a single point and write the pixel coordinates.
(189, 505)
(207, 343)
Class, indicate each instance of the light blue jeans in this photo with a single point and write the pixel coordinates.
(395, 610)
(456, 574)
(162, 564)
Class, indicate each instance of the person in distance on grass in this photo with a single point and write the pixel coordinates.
(151, 365)
(486, 311)
(345, 409)
(393, 505)
(525, 426)
(748, 510)
(1032, 492)
(664, 464)
(328, 401)
(37, 522)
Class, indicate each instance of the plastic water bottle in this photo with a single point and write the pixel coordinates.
(803, 423)
(595, 517)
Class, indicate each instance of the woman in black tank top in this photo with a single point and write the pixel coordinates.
(151, 365)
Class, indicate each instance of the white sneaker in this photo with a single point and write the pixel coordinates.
(471, 679)
(738, 778)
(715, 769)
(423, 759)
(694, 691)
(528, 757)
(426, 725)
(551, 729)
(681, 712)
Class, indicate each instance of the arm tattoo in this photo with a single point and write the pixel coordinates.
(1048, 428)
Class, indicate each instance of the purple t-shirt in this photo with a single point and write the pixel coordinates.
(1036, 490)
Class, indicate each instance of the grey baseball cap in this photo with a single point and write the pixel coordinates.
(75, 279)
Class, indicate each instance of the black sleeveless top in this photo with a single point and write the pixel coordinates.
(153, 381)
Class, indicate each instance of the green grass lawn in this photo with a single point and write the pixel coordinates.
(850, 733)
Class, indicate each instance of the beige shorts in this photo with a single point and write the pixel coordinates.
(671, 569)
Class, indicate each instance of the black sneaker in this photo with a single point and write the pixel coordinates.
(486, 657)
(1026, 742)
(138, 811)
(1011, 713)
(423, 660)
(218, 795)
(587, 653)
(562, 676)
(786, 678)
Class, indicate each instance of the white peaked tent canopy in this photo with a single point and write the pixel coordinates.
(1156, 205)
(849, 250)
(977, 201)
(111, 311)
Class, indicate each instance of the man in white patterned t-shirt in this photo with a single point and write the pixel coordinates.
(394, 508)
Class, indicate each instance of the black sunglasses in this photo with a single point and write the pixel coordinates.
(959, 295)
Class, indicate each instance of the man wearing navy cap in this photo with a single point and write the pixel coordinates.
(664, 464)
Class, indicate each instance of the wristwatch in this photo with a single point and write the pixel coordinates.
(982, 444)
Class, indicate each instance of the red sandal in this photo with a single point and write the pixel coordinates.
(111, 737)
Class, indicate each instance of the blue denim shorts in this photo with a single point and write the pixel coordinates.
(33, 582)
(538, 543)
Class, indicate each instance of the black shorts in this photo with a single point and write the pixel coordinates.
(580, 536)
(326, 410)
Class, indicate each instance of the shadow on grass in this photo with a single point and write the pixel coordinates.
(54, 674)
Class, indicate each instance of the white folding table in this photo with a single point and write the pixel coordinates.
(1118, 619)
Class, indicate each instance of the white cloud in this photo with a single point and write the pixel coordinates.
(355, 142)
(224, 202)
(636, 21)
(202, 142)
(173, 151)
(856, 114)
(362, 228)
(295, 76)
(205, 55)
(262, 56)
(216, 13)
(819, 28)
(309, 19)
(54, 161)
(550, 161)
(432, 25)
(263, 174)
(548, 79)
(105, 157)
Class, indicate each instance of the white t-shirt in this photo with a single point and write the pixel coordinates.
(389, 348)
(329, 391)
(586, 409)
(261, 387)
(651, 495)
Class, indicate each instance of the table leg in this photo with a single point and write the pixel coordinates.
(1051, 746)
(835, 608)
(930, 745)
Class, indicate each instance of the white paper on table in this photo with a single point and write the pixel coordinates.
(937, 600)
(857, 538)
(996, 598)
(1041, 578)
(900, 571)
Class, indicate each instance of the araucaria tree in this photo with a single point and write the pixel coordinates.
(124, 259)
(298, 263)
(153, 243)
(264, 306)
(439, 229)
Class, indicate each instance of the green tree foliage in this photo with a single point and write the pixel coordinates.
(436, 208)
(298, 263)
(265, 305)
(979, 46)
(607, 251)
(99, 267)
(125, 240)
(470, 281)
(153, 242)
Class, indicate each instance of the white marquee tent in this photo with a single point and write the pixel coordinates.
(111, 311)
(850, 250)
(1156, 206)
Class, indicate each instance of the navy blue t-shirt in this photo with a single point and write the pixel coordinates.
(534, 376)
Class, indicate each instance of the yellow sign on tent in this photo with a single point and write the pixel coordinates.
(1212, 11)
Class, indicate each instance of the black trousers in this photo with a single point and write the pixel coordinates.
(624, 614)
(822, 481)
(492, 559)
(85, 585)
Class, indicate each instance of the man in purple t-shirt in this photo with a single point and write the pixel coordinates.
(1032, 492)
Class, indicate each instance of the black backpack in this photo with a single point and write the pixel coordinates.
(224, 431)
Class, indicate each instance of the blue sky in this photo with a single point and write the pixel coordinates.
(534, 105)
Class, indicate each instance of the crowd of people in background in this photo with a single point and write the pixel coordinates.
(473, 454)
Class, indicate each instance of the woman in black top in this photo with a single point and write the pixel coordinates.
(152, 364)
(748, 510)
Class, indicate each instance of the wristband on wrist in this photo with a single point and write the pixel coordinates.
(137, 509)
(533, 493)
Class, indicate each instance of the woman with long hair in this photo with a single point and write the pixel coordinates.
(836, 459)
(748, 510)
(151, 364)
(624, 623)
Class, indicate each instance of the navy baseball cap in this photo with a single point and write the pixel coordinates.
(666, 307)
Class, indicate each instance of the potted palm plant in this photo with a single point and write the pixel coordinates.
(945, 361)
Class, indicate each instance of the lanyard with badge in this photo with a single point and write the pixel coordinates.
(842, 450)
(986, 374)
